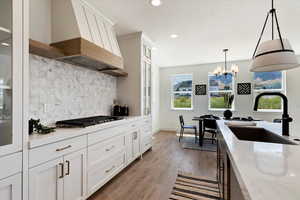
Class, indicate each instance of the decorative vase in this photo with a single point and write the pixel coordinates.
(227, 114)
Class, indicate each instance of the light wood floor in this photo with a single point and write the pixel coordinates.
(152, 178)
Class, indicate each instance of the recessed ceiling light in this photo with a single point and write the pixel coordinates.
(155, 3)
(5, 44)
(174, 36)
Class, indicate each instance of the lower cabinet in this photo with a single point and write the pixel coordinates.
(75, 176)
(133, 145)
(76, 168)
(59, 179)
(223, 171)
(105, 159)
(11, 188)
(102, 171)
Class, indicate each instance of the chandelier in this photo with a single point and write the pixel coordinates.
(219, 71)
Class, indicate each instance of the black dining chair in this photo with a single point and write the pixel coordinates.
(210, 126)
(183, 127)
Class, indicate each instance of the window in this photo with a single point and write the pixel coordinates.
(221, 92)
(269, 82)
(182, 92)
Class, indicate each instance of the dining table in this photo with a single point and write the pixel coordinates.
(201, 131)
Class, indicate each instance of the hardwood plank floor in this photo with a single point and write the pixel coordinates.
(153, 177)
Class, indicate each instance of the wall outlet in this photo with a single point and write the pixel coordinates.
(46, 107)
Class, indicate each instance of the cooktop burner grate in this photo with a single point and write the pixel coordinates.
(85, 122)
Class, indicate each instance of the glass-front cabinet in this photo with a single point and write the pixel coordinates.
(10, 76)
(146, 79)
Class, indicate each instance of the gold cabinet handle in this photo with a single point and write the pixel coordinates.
(61, 170)
(109, 170)
(109, 149)
(68, 168)
(64, 148)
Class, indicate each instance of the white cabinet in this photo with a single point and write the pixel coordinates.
(11, 188)
(75, 168)
(11, 67)
(46, 181)
(133, 145)
(146, 135)
(75, 176)
(105, 159)
(10, 177)
(135, 90)
(60, 179)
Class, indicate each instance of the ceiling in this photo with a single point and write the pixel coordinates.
(205, 27)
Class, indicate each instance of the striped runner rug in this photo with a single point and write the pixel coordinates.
(189, 187)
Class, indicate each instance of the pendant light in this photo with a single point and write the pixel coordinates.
(223, 71)
(275, 54)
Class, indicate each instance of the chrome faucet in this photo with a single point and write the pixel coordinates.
(286, 119)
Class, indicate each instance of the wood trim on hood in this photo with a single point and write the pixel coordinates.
(81, 47)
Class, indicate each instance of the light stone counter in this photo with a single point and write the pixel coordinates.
(36, 140)
(265, 171)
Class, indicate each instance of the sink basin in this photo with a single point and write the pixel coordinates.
(259, 135)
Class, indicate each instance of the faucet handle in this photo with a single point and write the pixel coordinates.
(288, 119)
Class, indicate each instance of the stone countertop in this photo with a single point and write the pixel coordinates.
(36, 140)
(264, 170)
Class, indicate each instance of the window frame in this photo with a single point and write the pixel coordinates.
(258, 91)
(181, 92)
(232, 91)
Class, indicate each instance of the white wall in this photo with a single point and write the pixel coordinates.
(155, 99)
(40, 20)
(243, 104)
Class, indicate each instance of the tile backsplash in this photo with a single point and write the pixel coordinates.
(60, 91)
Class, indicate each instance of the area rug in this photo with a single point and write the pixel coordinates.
(189, 143)
(189, 187)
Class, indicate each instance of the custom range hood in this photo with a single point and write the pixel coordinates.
(82, 36)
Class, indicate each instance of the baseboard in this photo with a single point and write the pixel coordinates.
(167, 131)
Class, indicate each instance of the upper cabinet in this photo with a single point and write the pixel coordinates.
(135, 90)
(10, 76)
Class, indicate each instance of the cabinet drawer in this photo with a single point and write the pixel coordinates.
(106, 134)
(10, 165)
(104, 149)
(103, 171)
(49, 152)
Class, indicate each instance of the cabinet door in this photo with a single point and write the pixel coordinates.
(46, 181)
(75, 176)
(10, 76)
(129, 152)
(135, 144)
(146, 74)
(11, 188)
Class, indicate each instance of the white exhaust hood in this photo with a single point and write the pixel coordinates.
(83, 35)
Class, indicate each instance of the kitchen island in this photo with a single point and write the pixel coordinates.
(257, 170)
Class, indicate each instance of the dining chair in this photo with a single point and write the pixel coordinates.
(183, 127)
(210, 126)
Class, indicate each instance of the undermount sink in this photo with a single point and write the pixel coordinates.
(257, 134)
